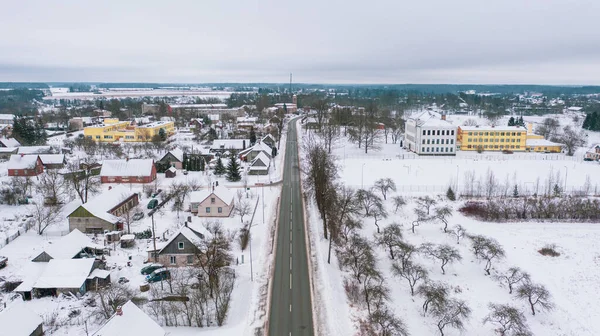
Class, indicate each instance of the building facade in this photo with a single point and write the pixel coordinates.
(128, 171)
(492, 138)
(25, 165)
(114, 130)
(216, 203)
(427, 134)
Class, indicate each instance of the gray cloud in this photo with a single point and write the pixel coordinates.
(377, 41)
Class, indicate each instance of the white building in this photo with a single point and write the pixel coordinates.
(428, 134)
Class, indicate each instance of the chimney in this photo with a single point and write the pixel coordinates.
(444, 116)
(119, 311)
(213, 189)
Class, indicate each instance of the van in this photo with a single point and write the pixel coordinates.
(152, 204)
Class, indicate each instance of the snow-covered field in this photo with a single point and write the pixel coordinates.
(571, 277)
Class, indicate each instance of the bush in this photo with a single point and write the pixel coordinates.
(147, 234)
(450, 194)
(244, 237)
(549, 251)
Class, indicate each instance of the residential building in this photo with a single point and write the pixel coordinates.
(113, 130)
(102, 212)
(9, 142)
(269, 140)
(252, 152)
(128, 171)
(34, 150)
(74, 245)
(215, 202)
(183, 248)
(593, 153)
(171, 172)
(492, 138)
(173, 158)
(25, 165)
(5, 153)
(206, 109)
(17, 320)
(260, 165)
(130, 320)
(7, 119)
(53, 161)
(64, 276)
(428, 134)
(224, 145)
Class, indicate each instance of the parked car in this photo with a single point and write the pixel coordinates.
(158, 275)
(123, 280)
(588, 159)
(151, 268)
(152, 204)
(185, 172)
(138, 216)
(506, 151)
(156, 193)
(3, 261)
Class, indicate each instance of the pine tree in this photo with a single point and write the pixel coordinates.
(162, 134)
(450, 194)
(202, 164)
(184, 164)
(233, 169)
(557, 190)
(252, 136)
(521, 122)
(511, 121)
(274, 151)
(516, 191)
(219, 168)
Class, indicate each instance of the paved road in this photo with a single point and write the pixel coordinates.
(291, 310)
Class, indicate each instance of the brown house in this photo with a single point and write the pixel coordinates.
(25, 165)
(173, 158)
(103, 212)
(215, 202)
(128, 171)
(171, 172)
(183, 247)
(53, 161)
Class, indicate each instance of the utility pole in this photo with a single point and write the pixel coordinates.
(154, 239)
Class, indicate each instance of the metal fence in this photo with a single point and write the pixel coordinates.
(27, 225)
(475, 157)
(526, 189)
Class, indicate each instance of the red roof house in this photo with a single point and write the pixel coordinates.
(25, 165)
(128, 171)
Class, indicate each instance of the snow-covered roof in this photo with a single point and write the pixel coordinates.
(260, 147)
(52, 158)
(131, 167)
(190, 232)
(199, 106)
(493, 128)
(65, 273)
(230, 144)
(18, 161)
(268, 136)
(106, 201)
(172, 169)
(177, 153)
(98, 273)
(431, 119)
(17, 320)
(70, 245)
(246, 120)
(7, 117)
(261, 157)
(12, 142)
(131, 321)
(34, 149)
(223, 193)
(30, 272)
(541, 142)
(9, 149)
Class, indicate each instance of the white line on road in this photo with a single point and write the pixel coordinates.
(290, 248)
(290, 280)
(290, 309)
(290, 234)
(290, 265)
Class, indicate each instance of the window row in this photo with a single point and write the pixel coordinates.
(219, 210)
(495, 146)
(492, 140)
(437, 149)
(173, 259)
(437, 142)
(497, 133)
(443, 132)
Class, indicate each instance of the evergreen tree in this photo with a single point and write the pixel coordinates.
(516, 191)
(511, 121)
(450, 194)
(521, 122)
(252, 136)
(274, 151)
(219, 168)
(202, 164)
(184, 164)
(557, 190)
(162, 134)
(233, 169)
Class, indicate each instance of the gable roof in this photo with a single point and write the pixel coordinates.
(17, 320)
(193, 233)
(65, 273)
(261, 157)
(18, 161)
(34, 149)
(258, 147)
(268, 137)
(11, 142)
(52, 158)
(223, 193)
(101, 204)
(430, 119)
(178, 154)
(70, 245)
(131, 167)
(132, 321)
(230, 144)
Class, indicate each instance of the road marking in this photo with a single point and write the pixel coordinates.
(290, 309)
(290, 248)
(290, 234)
(290, 280)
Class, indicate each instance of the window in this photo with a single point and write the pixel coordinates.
(451, 149)
(452, 141)
(437, 142)
(173, 260)
(443, 132)
(190, 259)
(518, 140)
(428, 141)
(180, 245)
(485, 140)
(422, 149)
(453, 133)
(470, 133)
(545, 148)
(447, 141)
(427, 149)
(512, 140)
(437, 149)
(438, 132)
(428, 132)
(496, 146)
(424, 132)
(518, 146)
(501, 146)
(446, 149)
(220, 210)
(423, 141)
(512, 146)
(485, 146)
(486, 133)
(501, 140)
(207, 209)
(514, 133)
(212, 200)
(469, 146)
(502, 134)
(139, 137)
(97, 137)
(469, 140)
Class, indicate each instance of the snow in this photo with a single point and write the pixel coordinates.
(100, 204)
(494, 128)
(178, 154)
(430, 119)
(52, 158)
(11, 142)
(131, 167)
(172, 169)
(541, 142)
(98, 273)
(17, 320)
(65, 273)
(18, 161)
(237, 144)
(223, 193)
(70, 245)
(133, 321)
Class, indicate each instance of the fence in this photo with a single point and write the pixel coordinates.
(465, 156)
(499, 190)
(27, 225)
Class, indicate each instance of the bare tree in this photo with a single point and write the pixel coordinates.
(536, 295)
(491, 184)
(459, 232)
(379, 213)
(511, 277)
(242, 208)
(446, 254)
(508, 320)
(369, 200)
(222, 294)
(384, 185)
(330, 133)
(45, 216)
(83, 180)
(548, 128)
(477, 244)
(346, 204)
(399, 202)
(453, 313)
(421, 218)
(435, 295)
(442, 214)
(425, 203)
(390, 238)
(358, 256)
(22, 185)
(488, 249)
(213, 255)
(348, 228)
(52, 185)
(470, 122)
(386, 323)
(110, 298)
(413, 273)
(571, 139)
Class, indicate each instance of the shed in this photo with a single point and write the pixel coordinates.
(127, 240)
(17, 320)
(97, 279)
(64, 276)
(171, 172)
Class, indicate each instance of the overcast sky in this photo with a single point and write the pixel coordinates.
(319, 41)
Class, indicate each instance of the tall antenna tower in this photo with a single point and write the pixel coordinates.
(290, 82)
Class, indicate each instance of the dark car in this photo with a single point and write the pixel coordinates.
(138, 216)
(152, 204)
(3, 261)
(588, 159)
(156, 193)
(158, 275)
(151, 268)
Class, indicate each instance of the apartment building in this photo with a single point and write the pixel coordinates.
(113, 130)
(428, 134)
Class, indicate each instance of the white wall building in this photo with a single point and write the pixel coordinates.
(428, 134)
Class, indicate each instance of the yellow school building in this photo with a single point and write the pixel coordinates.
(499, 138)
(114, 130)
